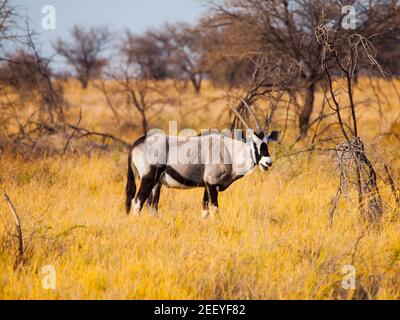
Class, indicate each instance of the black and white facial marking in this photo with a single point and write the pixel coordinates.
(260, 142)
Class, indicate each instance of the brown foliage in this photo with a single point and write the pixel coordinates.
(85, 52)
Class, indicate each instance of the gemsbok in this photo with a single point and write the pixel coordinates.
(213, 162)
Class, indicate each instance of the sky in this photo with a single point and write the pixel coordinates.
(136, 15)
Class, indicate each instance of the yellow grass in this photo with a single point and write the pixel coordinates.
(271, 240)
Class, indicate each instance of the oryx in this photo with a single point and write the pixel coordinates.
(213, 162)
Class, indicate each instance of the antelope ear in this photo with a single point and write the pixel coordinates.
(274, 136)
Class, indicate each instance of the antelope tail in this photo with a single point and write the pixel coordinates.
(130, 185)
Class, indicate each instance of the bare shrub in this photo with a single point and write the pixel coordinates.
(340, 53)
(31, 101)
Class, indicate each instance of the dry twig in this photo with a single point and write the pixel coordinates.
(18, 227)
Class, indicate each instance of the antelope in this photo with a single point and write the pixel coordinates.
(213, 162)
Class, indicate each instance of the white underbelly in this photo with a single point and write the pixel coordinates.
(169, 182)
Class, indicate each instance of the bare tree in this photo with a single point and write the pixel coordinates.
(147, 54)
(9, 20)
(31, 100)
(85, 52)
(171, 52)
(283, 32)
(183, 43)
(136, 73)
(379, 21)
(10, 33)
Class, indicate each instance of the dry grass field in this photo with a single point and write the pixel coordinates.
(270, 241)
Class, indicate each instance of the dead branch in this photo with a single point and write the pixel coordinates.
(334, 204)
(83, 132)
(73, 133)
(393, 186)
(80, 132)
(18, 227)
(103, 88)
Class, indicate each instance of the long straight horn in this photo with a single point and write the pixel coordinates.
(253, 115)
(239, 116)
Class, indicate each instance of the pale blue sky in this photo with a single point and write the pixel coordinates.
(137, 15)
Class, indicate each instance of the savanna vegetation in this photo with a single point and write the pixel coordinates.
(330, 201)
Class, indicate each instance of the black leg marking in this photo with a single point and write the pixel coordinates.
(154, 197)
(213, 195)
(206, 199)
(147, 184)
